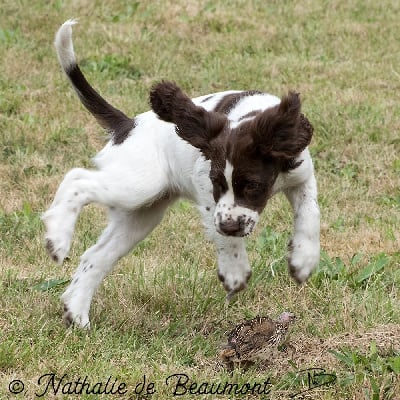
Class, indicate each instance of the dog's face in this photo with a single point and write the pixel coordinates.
(246, 159)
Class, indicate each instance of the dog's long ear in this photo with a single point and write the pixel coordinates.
(193, 123)
(282, 131)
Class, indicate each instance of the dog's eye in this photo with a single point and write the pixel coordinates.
(253, 187)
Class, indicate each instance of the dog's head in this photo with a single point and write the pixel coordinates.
(246, 159)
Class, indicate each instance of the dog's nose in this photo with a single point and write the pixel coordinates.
(231, 227)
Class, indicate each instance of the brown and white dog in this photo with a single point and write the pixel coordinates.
(239, 148)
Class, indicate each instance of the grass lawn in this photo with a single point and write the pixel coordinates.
(162, 311)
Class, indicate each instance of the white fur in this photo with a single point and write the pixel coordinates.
(138, 179)
(64, 45)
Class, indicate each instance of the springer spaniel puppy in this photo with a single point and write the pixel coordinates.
(228, 152)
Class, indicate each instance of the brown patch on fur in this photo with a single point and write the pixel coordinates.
(305, 125)
(293, 273)
(250, 114)
(207, 98)
(248, 275)
(217, 154)
(266, 146)
(205, 130)
(51, 250)
(67, 317)
(228, 102)
(291, 164)
(193, 123)
(282, 131)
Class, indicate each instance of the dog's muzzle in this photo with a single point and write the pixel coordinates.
(238, 226)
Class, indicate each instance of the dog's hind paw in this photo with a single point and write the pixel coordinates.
(57, 239)
(56, 249)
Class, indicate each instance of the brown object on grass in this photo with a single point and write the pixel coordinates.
(255, 339)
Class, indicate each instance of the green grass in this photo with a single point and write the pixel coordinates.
(162, 310)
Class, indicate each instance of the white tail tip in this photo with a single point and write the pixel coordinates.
(64, 45)
(70, 22)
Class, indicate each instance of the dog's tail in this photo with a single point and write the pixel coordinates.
(110, 118)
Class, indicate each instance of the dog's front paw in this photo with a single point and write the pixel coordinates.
(234, 281)
(72, 319)
(303, 258)
(74, 314)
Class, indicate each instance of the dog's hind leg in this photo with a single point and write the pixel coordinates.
(60, 218)
(124, 231)
(81, 187)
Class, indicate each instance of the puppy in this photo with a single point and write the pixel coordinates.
(228, 152)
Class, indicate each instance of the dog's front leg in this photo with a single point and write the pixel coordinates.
(233, 264)
(304, 248)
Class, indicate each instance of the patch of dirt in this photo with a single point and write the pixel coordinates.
(305, 351)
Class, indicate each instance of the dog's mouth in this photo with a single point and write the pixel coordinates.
(234, 234)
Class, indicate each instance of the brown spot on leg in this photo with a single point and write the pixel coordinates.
(49, 246)
(293, 274)
(292, 269)
(50, 250)
(67, 317)
(248, 275)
